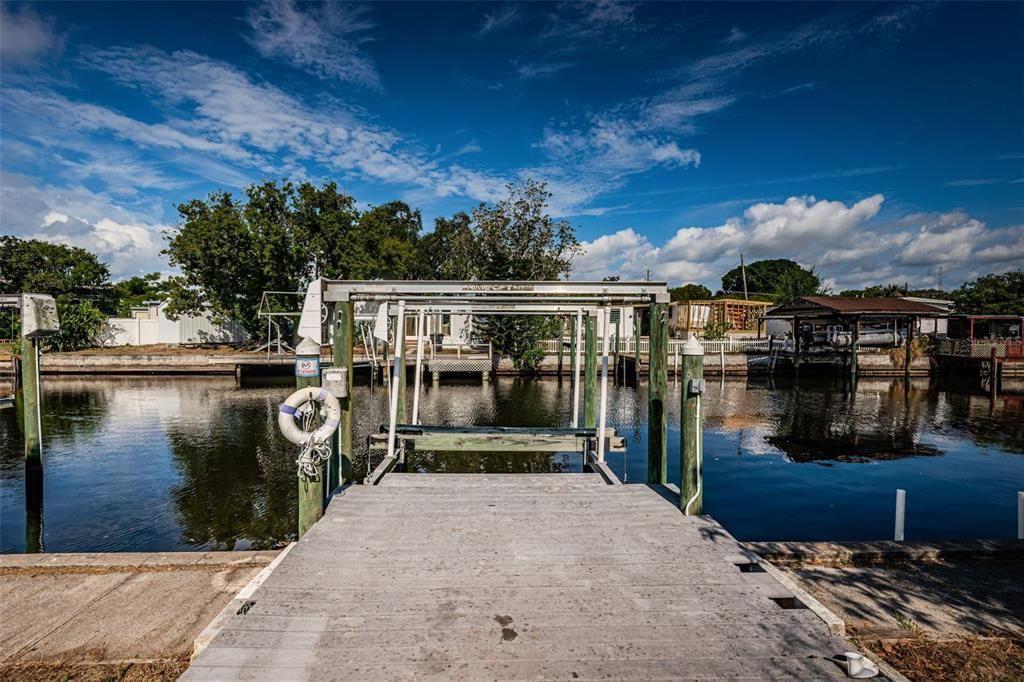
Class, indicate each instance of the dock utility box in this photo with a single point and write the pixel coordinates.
(38, 316)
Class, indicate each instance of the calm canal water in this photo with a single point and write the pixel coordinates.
(142, 464)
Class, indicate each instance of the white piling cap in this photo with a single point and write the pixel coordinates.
(308, 347)
(693, 347)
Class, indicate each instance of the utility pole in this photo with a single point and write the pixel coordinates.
(743, 270)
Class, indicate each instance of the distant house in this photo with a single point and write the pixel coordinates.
(740, 316)
(933, 325)
(149, 325)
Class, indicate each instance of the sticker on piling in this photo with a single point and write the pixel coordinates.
(307, 367)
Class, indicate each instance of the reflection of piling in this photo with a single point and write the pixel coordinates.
(691, 428)
(657, 393)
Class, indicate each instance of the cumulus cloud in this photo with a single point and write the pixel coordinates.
(321, 39)
(941, 238)
(843, 241)
(127, 242)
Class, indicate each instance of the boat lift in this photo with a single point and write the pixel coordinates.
(584, 302)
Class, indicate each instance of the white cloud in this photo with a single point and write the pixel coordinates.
(974, 182)
(128, 242)
(781, 228)
(321, 39)
(501, 18)
(237, 123)
(736, 35)
(26, 37)
(842, 241)
(942, 238)
(533, 71)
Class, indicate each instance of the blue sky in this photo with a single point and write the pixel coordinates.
(876, 142)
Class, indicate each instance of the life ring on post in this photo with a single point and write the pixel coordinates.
(290, 428)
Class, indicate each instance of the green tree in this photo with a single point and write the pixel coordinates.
(781, 279)
(794, 284)
(513, 239)
(763, 276)
(229, 253)
(451, 250)
(877, 291)
(32, 266)
(690, 292)
(388, 235)
(992, 295)
(76, 278)
(276, 240)
(134, 291)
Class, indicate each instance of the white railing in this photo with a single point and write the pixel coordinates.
(628, 346)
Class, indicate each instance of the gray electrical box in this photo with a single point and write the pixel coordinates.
(335, 381)
(38, 316)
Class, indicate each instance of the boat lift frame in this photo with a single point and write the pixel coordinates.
(585, 301)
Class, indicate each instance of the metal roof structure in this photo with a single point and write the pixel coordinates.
(851, 305)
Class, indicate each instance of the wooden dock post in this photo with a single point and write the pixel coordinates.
(573, 351)
(590, 371)
(344, 338)
(657, 393)
(31, 416)
(691, 426)
(993, 373)
(311, 490)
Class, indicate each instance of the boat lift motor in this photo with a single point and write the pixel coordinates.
(38, 316)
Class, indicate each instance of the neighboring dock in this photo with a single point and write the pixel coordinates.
(518, 576)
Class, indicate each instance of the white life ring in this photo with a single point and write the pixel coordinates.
(290, 428)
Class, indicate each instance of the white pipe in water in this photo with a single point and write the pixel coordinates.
(576, 370)
(901, 510)
(419, 368)
(604, 384)
(393, 416)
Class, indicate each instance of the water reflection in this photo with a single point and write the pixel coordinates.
(163, 464)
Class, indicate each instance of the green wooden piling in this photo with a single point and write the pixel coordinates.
(657, 392)
(30, 395)
(311, 491)
(590, 372)
(344, 338)
(31, 419)
(691, 429)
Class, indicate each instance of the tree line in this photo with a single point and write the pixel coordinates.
(279, 235)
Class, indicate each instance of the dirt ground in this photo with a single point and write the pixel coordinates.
(947, 619)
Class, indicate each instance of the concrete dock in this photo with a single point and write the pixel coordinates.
(518, 576)
(112, 616)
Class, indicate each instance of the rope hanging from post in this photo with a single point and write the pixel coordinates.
(315, 444)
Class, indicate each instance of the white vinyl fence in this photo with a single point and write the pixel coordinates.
(627, 346)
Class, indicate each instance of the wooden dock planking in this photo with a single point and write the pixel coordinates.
(512, 576)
